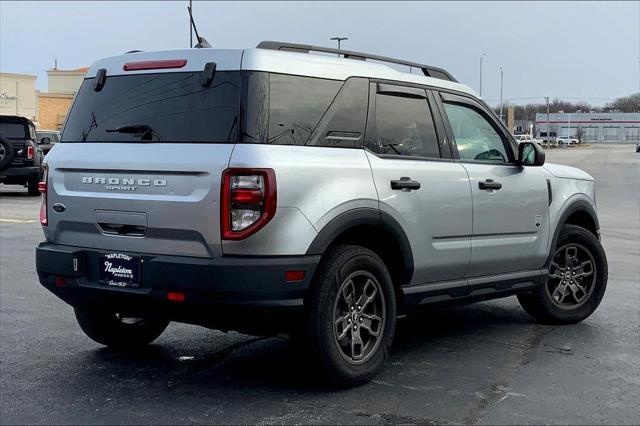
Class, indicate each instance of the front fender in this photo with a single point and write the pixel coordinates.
(578, 202)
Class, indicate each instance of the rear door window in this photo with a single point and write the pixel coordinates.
(403, 124)
(163, 107)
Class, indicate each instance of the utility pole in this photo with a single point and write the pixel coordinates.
(190, 26)
(548, 123)
(501, 94)
(481, 57)
(339, 39)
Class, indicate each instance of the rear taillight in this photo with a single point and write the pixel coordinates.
(42, 187)
(30, 152)
(248, 201)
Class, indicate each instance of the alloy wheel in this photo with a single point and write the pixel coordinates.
(359, 317)
(572, 277)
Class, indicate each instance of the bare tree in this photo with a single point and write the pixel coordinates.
(579, 134)
(629, 103)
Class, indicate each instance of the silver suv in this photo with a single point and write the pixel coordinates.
(274, 190)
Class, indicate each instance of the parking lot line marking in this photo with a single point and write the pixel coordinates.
(18, 220)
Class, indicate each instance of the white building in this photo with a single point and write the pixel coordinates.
(596, 127)
(18, 95)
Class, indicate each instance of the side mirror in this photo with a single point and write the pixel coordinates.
(45, 140)
(530, 154)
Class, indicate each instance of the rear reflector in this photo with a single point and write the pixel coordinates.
(294, 276)
(60, 282)
(175, 297)
(42, 187)
(154, 65)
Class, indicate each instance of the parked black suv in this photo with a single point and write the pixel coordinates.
(20, 156)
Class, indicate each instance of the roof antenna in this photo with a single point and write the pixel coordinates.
(202, 42)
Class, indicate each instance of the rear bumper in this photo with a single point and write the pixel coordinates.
(222, 293)
(15, 173)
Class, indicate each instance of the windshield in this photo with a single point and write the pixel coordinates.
(13, 130)
(175, 106)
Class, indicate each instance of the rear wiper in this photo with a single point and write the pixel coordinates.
(136, 129)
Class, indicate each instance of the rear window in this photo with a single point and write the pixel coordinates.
(51, 135)
(13, 130)
(165, 107)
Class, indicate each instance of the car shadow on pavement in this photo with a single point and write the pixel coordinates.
(272, 364)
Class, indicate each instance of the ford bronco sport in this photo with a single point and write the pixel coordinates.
(274, 190)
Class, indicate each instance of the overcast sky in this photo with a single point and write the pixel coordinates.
(568, 50)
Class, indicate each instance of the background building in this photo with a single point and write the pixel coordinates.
(592, 127)
(18, 95)
(54, 104)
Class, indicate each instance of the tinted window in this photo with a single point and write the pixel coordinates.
(476, 138)
(51, 135)
(343, 123)
(174, 106)
(13, 130)
(404, 126)
(296, 105)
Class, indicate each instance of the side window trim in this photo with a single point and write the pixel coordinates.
(444, 140)
(400, 89)
(470, 103)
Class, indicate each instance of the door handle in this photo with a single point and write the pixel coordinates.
(489, 184)
(405, 183)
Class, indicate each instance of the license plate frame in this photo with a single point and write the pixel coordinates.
(119, 270)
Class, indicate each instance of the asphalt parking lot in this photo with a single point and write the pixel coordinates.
(482, 363)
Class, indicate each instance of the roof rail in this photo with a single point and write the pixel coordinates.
(428, 70)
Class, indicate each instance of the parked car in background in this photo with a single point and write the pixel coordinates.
(20, 155)
(47, 138)
(561, 140)
(526, 138)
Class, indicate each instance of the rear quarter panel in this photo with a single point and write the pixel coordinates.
(314, 185)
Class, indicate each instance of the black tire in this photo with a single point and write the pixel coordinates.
(32, 186)
(6, 153)
(322, 305)
(542, 305)
(111, 330)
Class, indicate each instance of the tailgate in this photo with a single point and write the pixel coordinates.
(146, 198)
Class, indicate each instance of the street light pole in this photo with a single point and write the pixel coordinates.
(481, 57)
(501, 94)
(339, 39)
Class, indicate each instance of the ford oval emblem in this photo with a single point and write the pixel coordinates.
(58, 207)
